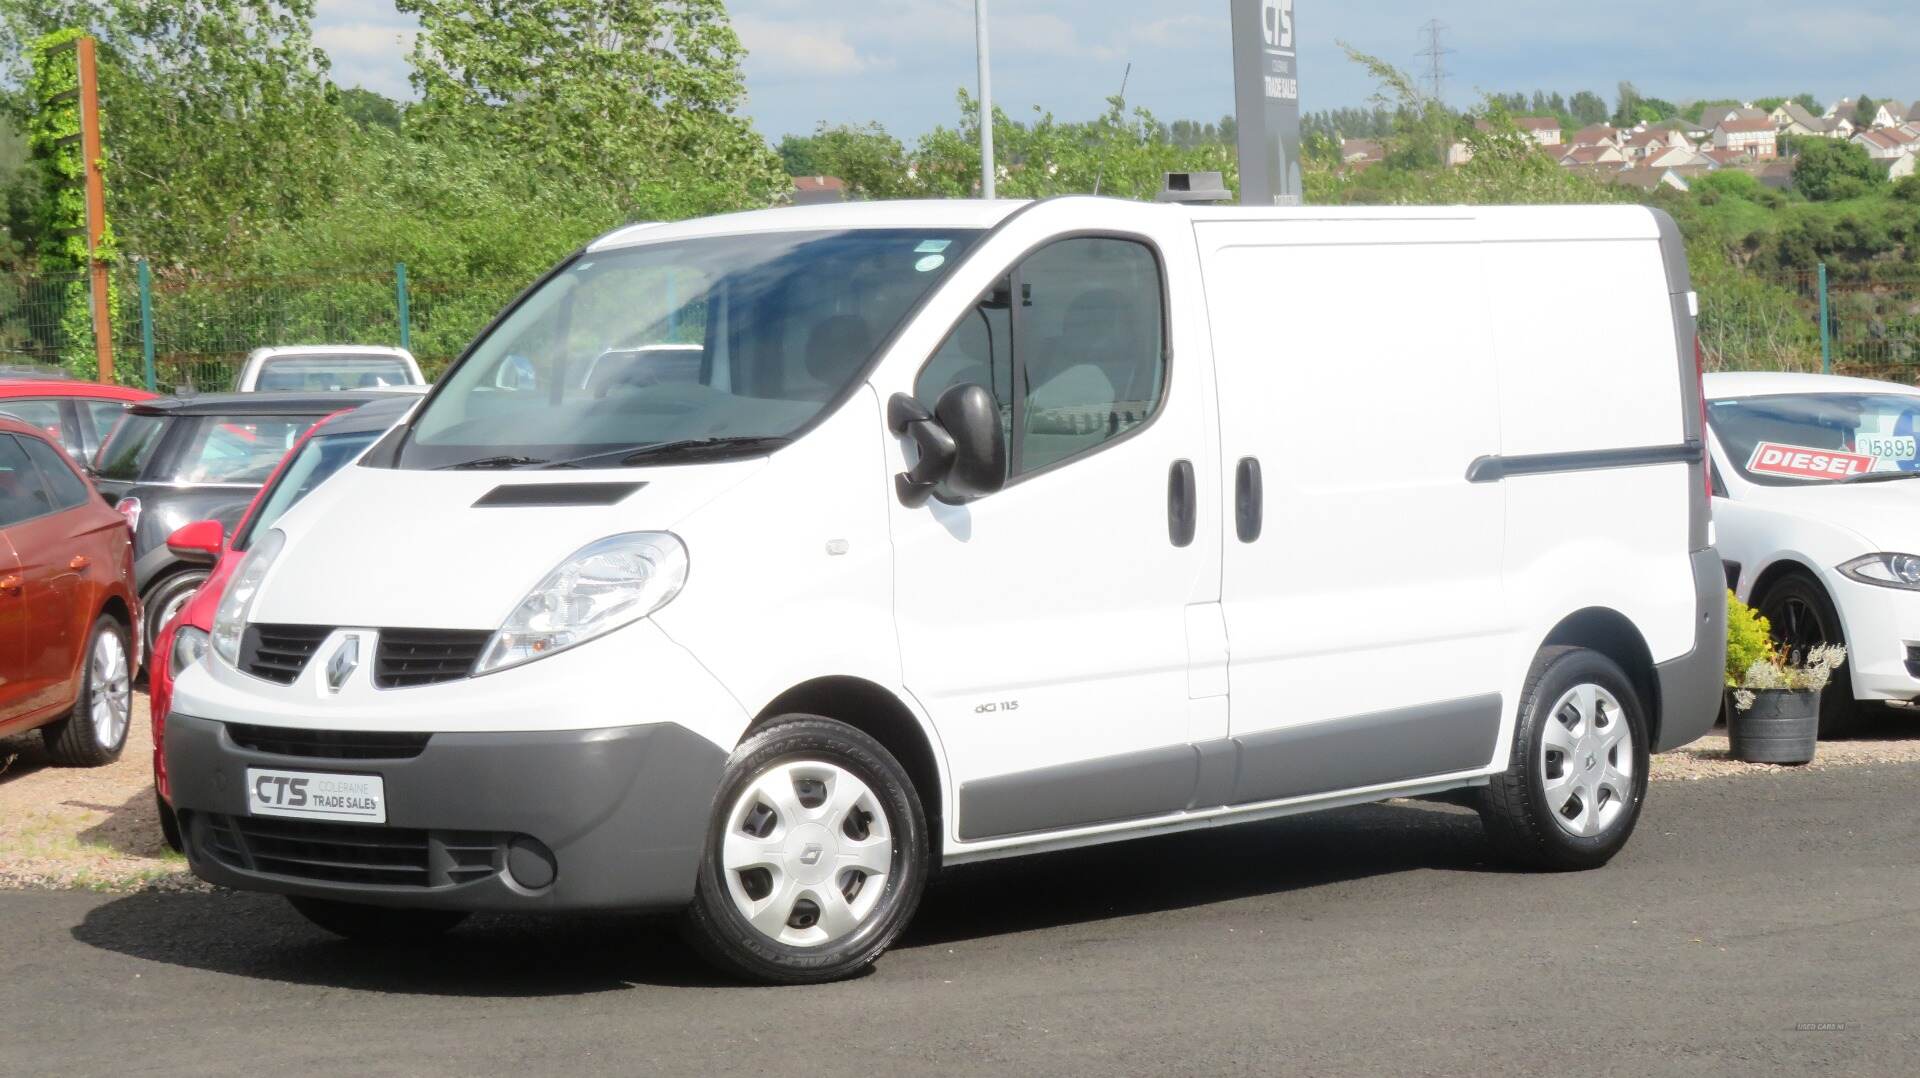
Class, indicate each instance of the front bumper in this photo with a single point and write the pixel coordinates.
(1883, 638)
(617, 816)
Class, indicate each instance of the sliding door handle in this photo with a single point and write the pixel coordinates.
(1249, 499)
(1182, 508)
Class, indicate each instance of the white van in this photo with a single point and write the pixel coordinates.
(985, 528)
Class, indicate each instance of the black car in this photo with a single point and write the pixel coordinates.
(173, 461)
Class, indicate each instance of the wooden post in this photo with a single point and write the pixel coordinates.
(91, 149)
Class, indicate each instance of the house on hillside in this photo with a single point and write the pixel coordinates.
(818, 190)
(1359, 153)
(1777, 174)
(1543, 130)
(1752, 136)
(1842, 109)
(1607, 155)
(1650, 179)
(1891, 114)
(1899, 168)
(1886, 143)
(1721, 158)
(1794, 119)
(1678, 157)
(1646, 142)
(1597, 135)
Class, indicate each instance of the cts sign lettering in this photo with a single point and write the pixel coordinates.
(1276, 23)
(282, 791)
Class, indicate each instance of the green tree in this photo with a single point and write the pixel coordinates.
(1587, 108)
(798, 156)
(640, 95)
(370, 109)
(227, 122)
(872, 163)
(1829, 169)
(1863, 111)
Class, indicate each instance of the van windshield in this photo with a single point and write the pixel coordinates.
(1794, 439)
(726, 344)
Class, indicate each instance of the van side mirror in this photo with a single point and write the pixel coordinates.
(963, 451)
(200, 542)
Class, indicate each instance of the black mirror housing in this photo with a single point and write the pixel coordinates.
(971, 416)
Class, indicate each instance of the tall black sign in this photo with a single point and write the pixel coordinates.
(1266, 98)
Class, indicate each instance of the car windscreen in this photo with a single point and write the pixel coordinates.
(325, 374)
(234, 449)
(1791, 439)
(131, 445)
(723, 338)
(320, 457)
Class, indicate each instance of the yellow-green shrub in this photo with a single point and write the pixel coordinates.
(1749, 639)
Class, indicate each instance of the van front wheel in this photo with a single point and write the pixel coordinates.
(1572, 792)
(816, 855)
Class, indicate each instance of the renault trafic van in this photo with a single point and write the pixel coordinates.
(976, 529)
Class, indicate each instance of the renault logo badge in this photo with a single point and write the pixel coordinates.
(346, 659)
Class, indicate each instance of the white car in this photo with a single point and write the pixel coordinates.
(310, 368)
(977, 529)
(1818, 526)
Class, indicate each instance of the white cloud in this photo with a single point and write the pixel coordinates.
(779, 47)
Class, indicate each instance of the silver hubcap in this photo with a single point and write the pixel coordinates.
(807, 852)
(172, 607)
(1586, 761)
(112, 690)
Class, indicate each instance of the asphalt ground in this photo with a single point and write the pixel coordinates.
(1765, 924)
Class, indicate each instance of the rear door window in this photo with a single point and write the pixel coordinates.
(235, 449)
(325, 374)
(105, 415)
(66, 489)
(23, 494)
(50, 416)
(131, 446)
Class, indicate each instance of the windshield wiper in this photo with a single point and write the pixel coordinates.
(1879, 477)
(491, 462)
(625, 458)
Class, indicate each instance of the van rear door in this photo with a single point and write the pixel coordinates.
(1362, 571)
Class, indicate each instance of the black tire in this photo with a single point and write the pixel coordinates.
(378, 924)
(715, 926)
(1803, 617)
(78, 740)
(1520, 821)
(169, 824)
(169, 591)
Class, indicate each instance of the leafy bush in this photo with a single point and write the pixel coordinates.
(1776, 674)
(1907, 189)
(1749, 639)
(1829, 170)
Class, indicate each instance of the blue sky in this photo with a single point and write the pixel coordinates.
(900, 61)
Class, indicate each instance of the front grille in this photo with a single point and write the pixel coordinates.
(328, 744)
(349, 853)
(279, 652)
(410, 657)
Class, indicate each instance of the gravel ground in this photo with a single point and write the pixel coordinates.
(96, 829)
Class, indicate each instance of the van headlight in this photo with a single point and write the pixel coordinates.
(1886, 570)
(604, 585)
(189, 644)
(236, 604)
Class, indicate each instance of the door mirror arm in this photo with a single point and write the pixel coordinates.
(909, 418)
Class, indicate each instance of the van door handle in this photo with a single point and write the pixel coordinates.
(1249, 499)
(10, 585)
(79, 562)
(1182, 513)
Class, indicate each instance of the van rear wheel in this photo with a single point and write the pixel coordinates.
(816, 855)
(1573, 789)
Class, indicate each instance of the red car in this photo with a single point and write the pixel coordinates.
(69, 619)
(77, 416)
(323, 450)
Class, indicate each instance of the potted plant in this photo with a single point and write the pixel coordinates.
(1774, 716)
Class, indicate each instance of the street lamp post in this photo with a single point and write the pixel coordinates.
(986, 99)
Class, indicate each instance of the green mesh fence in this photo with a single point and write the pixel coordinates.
(203, 325)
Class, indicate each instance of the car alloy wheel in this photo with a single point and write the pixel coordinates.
(111, 686)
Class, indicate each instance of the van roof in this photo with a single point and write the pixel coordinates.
(1500, 222)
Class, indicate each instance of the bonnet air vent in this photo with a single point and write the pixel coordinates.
(555, 494)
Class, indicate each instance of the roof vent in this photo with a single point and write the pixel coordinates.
(1195, 187)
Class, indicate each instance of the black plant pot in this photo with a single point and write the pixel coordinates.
(1782, 727)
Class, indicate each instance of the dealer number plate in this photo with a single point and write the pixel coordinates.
(310, 795)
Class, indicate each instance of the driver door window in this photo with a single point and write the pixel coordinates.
(1085, 348)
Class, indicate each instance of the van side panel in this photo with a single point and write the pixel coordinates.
(1584, 336)
(1355, 364)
